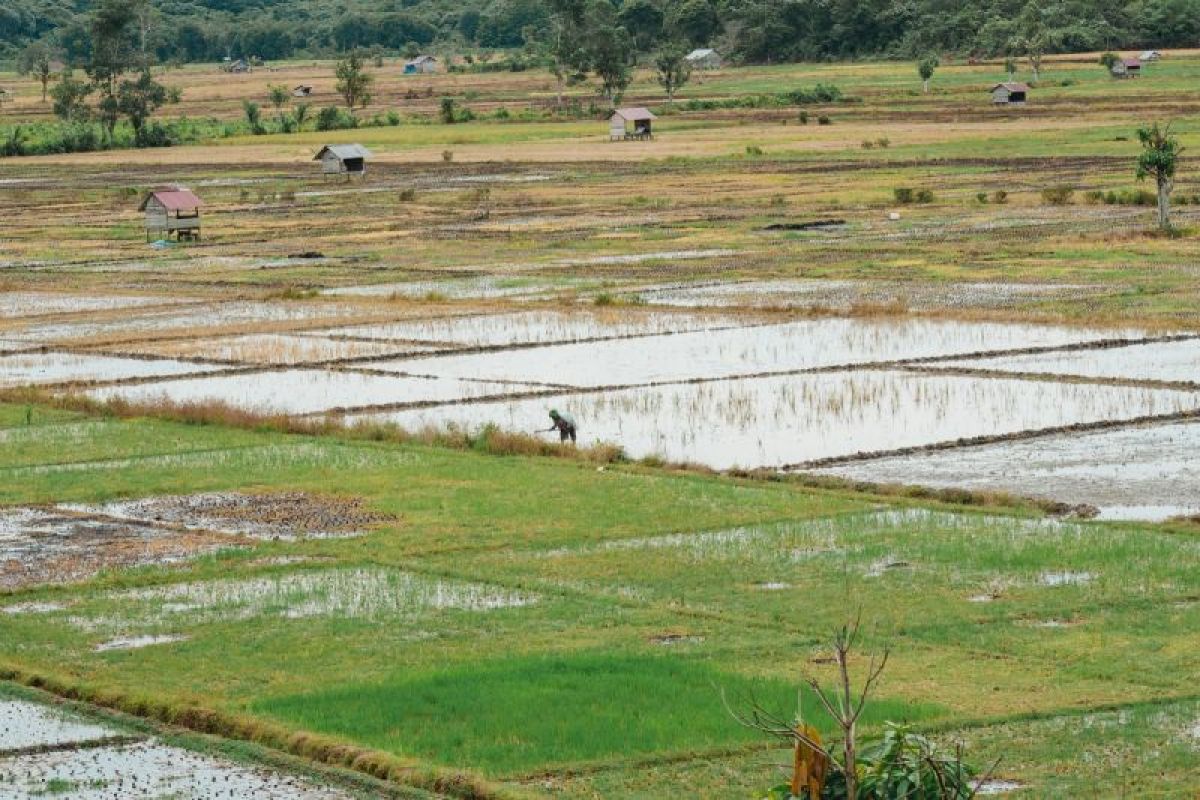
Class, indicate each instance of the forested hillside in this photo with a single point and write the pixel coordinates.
(748, 30)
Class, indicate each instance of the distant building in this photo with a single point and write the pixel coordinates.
(704, 58)
(1150, 55)
(304, 90)
(420, 65)
(343, 159)
(239, 66)
(641, 120)
(1126, 68)
(171, 211)
(1009, 93)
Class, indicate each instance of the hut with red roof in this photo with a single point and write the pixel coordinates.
(174, 210)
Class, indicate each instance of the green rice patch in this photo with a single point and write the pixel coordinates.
(516, 715)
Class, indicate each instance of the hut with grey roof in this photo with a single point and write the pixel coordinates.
(1010, 93)
(1126, 68)
(641, 120)
(343, 159)
(704, 58)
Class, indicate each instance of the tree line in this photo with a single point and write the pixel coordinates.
(751, 31)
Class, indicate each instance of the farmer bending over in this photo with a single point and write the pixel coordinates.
(564, 424)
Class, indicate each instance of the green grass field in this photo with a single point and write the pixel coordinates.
(645, 597)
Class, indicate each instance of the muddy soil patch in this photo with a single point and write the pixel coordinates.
(286, 516)
(39, 546)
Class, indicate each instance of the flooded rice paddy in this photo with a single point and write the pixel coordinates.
(300, 391)
(727, 388)
(810, 344)
(272, 349)
(25, 725)
(372, 594)
(1138, 472)
(46, 751)
(36, 304)
(535, 327)
(48, 368)
(787, 420)
(804, 294)
(1172, 362)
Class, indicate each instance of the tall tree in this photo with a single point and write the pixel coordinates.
(70, 97)
(354, 82)
(609, 49)
(673, 69)
(925, 68)
(1158, 160)
(564, 44)
(37, 60)
(1034, 37)
(644, 21)
(112, 53)
(279, 97)
(138, 99)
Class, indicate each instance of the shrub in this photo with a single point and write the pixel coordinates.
(803, 117)
(1094, 196)
(821, 93)
(824, 120)
(903, 194)
(867, 144)
(883, 142)
(924, 196)
(448, 111)
(981, 197)
(753, 150)
(447, 156)
(393, 118)
(1000, 197)
(408, 195)
(332, 118)
(1058, 195)
(906, 764)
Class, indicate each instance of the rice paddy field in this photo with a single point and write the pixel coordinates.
(279, 515)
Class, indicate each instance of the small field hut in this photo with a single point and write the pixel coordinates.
(1010, 94)
(169, 211)
(704, 58)
(303, 90)
(343, 159)
(1150, 55)
(1126, 68)
(631, 123)
(421, 65)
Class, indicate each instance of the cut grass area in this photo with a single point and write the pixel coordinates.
(531, 713)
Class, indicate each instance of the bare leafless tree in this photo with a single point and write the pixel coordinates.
(842, 704)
